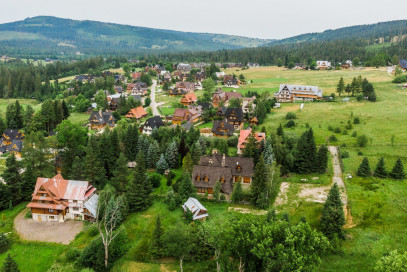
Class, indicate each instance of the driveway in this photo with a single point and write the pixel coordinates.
(54, 232)
(153, 104)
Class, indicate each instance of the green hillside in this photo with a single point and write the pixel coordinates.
(40, 35)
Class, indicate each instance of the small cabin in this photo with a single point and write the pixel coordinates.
(198, 210)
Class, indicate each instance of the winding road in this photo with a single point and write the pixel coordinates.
(153, 103)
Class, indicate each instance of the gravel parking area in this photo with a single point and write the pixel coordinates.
(54, 232)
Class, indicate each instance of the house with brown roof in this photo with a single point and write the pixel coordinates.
(220, 96)
(188, 99)
(57, 199)
(235, 117)
(292, 93)
(227, 170)
(180, 115)
(222, 128)
(137, 113)
(186, 86)
(175, 92)
(99, 120)
(9, 135)
(230, 81)
(244, 137)
(195, 113)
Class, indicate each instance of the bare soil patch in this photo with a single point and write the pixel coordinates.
(54, 232)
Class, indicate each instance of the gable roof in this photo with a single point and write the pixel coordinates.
(102, 117)
(16, 145)
(301, 89)
(191, 97)
(225, 125)
(193, 205)
(238, 112)
(230, 95)
(180, 113)
(13, 134)
(137, 113)
(244, 135)
(154, 122)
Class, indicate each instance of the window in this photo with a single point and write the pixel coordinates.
(206, 179)
(222, 180)
(246, 180)
(238, 179)
(75, 209)
(198, 178)
(239, 168)
(52, 217)
(50, 210)
(75, 201)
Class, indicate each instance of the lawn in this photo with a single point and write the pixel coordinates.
(79, 118)
(378, 206)
(23, 102)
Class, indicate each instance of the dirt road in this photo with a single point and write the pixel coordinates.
(154, 104)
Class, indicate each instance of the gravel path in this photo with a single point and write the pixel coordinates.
(55, 232)
(153, 104)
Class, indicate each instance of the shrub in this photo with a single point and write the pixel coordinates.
(344, 132)
(354, 134)
(72, 254)
(332, 138)
(290, 116)
(360, 153)
(155, 180)
(222, 197)
(349, 126)
(356, 120)
(400, 79)
(344, 154)
(93, 231)
(330, 128)
(28, 214)
(337, 130)
(359, 97)
(343, 145)
(4, 243)
(232, 141)
(364, 168)
(290, 124)
(362, 141)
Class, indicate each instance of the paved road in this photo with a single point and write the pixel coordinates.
(153, 104)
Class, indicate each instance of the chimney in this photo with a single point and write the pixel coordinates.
(223, 160)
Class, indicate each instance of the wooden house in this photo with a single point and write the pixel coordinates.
(16, 147)
(199, 212)
(185, 86)
(99, 120)
(323, 65)
(137, 113)
(235, 117)
(56, 199)
(175, 92)
(151, 124)
(248, 104)
(180, 115)
(230, 81)
(222, 128)
(188, 99)
(227, 170)
(254, 121)
(184, 67)
(9, 135)
(244, 136)
(292, 93)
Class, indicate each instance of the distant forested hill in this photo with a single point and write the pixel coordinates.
(46, 35)
(364, 42)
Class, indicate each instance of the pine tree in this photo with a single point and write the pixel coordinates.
(157, 245)
(333, 217)
(322, 158)
(153, 154)
(139, 188)
(186, 188)
(260, 187)
(237, 194)
(341, 86)
(95, 173)
(268, 152)
(187, 164)
(107, 153)
(13, 178)
(9, 265)
(121, 174)
(196, 152)
(251, 149)
(380, 170)
(216, 191)
(4, 196)
(161, 165)
(172, 155)
(131, 143)
(65, 110)
(364, 169)
(398, 170)
(77, 169)
(115, 143)
(280, 130)
(28, 183)
(306, 157)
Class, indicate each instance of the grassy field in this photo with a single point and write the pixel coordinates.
(23, 102)
(378, 206)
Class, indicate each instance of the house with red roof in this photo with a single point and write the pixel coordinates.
(137, 113)
(57, 199)
(188, 99)
(244, 138)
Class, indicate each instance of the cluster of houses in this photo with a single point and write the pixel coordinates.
(12, 142)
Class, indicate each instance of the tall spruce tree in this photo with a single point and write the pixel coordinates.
(153, 154)
(161, 165)
(251, 149)
(94, 171)
(260, 188)
(157, 245)
(340, 87)
(187, 164)
(78, 170)
(4, 196)
(237, 194)
(306, 157)
(186, 188)
(280, 130)
(268, 152)
(380, 170)
(322, 159)
(364, 168)
(131, 142)
(139, 188)
(9, 265)
(398, 170)
(121, 174)
(333, 217)
(107, 153)
(13, 178)
(172, 155)
(28, 183)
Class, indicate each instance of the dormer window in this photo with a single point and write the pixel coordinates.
(222, 180)
(239, 168)
(198, 178)
(206, 179)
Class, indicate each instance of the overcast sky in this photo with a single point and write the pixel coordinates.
(252, 18)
